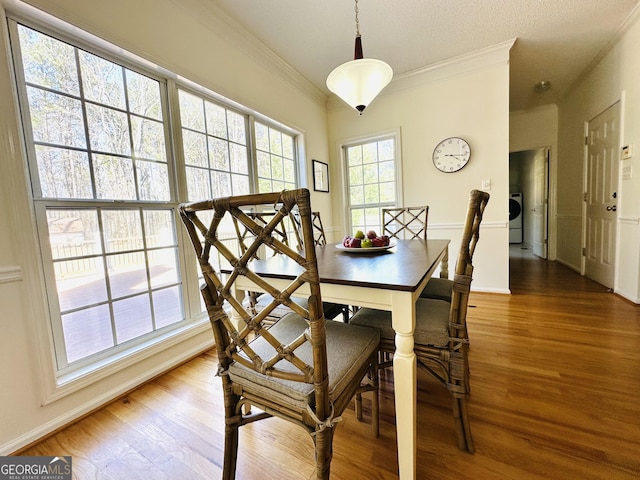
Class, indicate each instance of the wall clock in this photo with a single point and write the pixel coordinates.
(451, 154)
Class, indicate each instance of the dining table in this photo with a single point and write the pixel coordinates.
(389, 279)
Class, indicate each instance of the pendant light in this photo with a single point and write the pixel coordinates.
(359, 81)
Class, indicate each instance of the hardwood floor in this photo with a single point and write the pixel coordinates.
(555, 378)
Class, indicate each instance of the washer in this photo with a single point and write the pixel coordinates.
(515, 218)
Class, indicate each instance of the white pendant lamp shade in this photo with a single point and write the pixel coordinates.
(359, 81)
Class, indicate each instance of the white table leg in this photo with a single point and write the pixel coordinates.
(405, 380)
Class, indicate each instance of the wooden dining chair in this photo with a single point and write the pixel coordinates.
(411, 223)
(303, 369)
(441, 339)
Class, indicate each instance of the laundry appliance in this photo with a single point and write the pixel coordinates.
(515, 218)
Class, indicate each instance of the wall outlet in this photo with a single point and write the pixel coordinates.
(626, 152)
(626, 172)
(486, 184)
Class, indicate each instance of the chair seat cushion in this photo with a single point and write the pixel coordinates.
(432, 322)
(438, 288)
(349, 347)
(330, 310)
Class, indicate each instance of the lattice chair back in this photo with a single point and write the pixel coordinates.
(405, 222)
(319, 237)
(219, 291)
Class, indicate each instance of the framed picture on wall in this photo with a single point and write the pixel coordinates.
(320, 176)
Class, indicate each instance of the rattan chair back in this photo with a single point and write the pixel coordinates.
(405, 222)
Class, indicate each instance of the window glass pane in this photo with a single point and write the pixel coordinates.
(386, 150)
(371, 193)
(153, 181)
(191, 111)
(264, 165)
(148, 139)
(354, 155)
(370, 173)
(264, 186)
(240, 184)
(216, 120)
(144, 95)
(163, 267)
(127, 274)
(56, 119)
(108, 130)
(80, 282)
(219, 151)
(387, 171)
(132, 317)
(102, 80)
(387, 192)
(198, 184)
(73, 233)
(356, 176)
(276, 168)
(167, 306)
(114, 178)
(63, 173)
(237, 128)
(287, 146)
(239, 159)
(48, 62)
(262, 137)
(195, 148)
(122, 230)
(221, 184)
(87, 332)
(289, 171)
(159, 228)
(356, 195)
(275, 141)
(369, 153)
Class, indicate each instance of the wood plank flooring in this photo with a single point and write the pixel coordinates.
(555, 379)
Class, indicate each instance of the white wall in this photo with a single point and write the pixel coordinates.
(614, 78)
(466, 97)
(189, 39)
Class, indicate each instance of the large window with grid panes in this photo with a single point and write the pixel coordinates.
(109, 162)
(372, 167)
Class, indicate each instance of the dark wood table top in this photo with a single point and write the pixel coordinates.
(402, 267)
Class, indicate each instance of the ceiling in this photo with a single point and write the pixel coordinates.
(556, 39)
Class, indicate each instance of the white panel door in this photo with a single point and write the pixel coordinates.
(602, 185)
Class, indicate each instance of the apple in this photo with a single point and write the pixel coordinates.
(371, 234)
(366, 243)
(378, 242)
(354, 243)
(346, 240)
(359, 234)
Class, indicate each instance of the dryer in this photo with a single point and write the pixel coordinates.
(515, 218)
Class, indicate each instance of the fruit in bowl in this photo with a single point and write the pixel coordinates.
(370, 240)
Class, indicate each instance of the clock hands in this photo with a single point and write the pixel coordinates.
(455, 154)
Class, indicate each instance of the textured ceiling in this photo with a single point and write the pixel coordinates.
(556, 39)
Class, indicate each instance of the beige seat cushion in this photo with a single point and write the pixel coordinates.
(349, 347)
(330, 310)
(438, 288)
(432, 322)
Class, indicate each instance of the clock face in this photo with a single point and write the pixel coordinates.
(451, 154)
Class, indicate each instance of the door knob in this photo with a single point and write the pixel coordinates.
(611, 208)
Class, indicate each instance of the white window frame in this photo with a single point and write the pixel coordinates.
(61, 382)
(346, 198)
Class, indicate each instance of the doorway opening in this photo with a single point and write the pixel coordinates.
(529, 202)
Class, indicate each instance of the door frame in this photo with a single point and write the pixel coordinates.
(585, 183)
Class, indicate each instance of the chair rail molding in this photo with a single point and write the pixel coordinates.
(10, 274)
